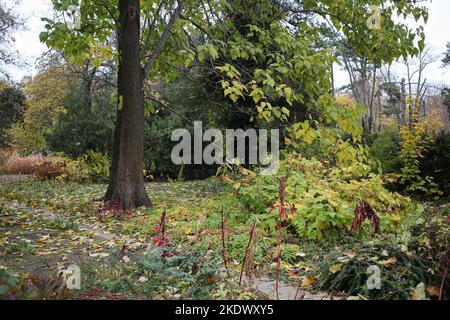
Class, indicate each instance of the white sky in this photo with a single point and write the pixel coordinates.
(28, 45)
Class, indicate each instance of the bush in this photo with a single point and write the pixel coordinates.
(430, 239)
(32, 287)
(436, 162)
(385, 147)
(325, 197)
(346, 269)
(91, 167)
(49, 170)
(12, 106)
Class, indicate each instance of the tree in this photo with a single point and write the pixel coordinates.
(446, 98)
(12, 105)
(283, 51)
(45, 94)
(136, 53)
(9, 23)
(446, 59)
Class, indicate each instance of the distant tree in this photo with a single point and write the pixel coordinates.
(12, 105)
(446, 60)
(9, 23)
(446, 98)
(45, 93)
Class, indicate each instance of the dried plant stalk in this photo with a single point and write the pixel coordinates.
(248, 263)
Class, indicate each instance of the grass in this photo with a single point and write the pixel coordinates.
(22, 165)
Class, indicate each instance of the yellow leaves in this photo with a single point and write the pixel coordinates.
(308, 280)
(396, 217)
(3, 240)
(188, 231)
(43, 239)
(230, 71)
(286, 266)
(309, 136)
(388, 263)
(335, 267)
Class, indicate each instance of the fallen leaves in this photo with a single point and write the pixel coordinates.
(388, 263)
(308, 280)
(99, 255)
(433, 291)
(336, 267)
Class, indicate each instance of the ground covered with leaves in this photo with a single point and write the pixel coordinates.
(193, 244)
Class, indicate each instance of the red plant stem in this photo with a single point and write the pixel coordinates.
(278, 257)
(224, 249)
(252, 234)
(162, 226)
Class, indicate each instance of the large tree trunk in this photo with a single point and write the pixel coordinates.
(126, 183)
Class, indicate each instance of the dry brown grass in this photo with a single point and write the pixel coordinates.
(23, 165)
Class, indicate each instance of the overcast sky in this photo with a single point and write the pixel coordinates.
(27, 41)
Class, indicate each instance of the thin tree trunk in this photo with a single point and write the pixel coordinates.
(402, 103)
(126, 183)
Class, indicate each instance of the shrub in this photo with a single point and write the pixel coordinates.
(436, 162)
(32, 287)
(49, 170)
(346, 269)
(91, 167)
(325, 197)
(385, 147)
(430, 239)
(413, 146)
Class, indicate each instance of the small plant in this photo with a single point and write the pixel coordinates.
(97, 293)
(281, 205)
(190, 275)
(20, 248)
(113, 208)
(61, 224)
(248, 263)
(345, 269)
(160, 239)
(223, 235)
(32, 287)
(364, 211)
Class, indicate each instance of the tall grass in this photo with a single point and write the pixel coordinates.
(23, 165)
(5, 154)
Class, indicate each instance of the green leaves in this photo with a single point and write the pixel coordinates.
(325, 196)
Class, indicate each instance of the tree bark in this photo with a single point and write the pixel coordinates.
(126, 185)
